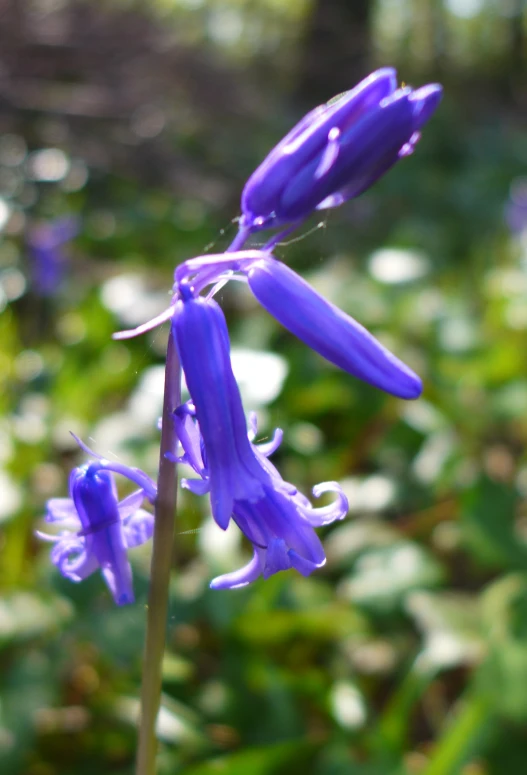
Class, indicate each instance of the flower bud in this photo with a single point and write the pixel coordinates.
(338, 150)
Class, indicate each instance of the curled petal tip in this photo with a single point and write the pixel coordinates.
(425, 101)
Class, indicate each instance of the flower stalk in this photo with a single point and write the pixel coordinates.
(165, 509)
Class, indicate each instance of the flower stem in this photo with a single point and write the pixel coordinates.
(165, 509)
(239, 240)
(462, 736)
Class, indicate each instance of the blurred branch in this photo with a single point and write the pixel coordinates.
(336, 50)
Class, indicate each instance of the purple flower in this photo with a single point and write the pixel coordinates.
(293, 302)
(97, 528)
(328, 330)
(317, 322)
(273, 515)
(516, 206)
(45, 243)
(338, 150)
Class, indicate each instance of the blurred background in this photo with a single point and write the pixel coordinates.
(127, 132)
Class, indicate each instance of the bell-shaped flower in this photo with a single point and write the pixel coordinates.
(273, 515)
(294, 303)
(338, 150)
(97, 529)
(328, 330)
(203, 345)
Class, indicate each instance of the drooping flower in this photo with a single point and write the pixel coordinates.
(328, 330)
(320, 324)
(338, 150)
(294, 303)
(242, 483)
(45, 242)
(97, 529)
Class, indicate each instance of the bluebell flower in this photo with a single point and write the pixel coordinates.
(292, 301)
(320, 324)
(97, 529)
(338, 150)
(45, 242)
(328, 330)
(242, 483)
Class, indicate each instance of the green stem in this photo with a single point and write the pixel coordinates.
(396, 717)
(460, 736)
(165, 510)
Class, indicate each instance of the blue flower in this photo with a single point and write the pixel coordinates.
(97, 528)
(328, 330)
(317, 322)
(243, 484)
(338, 150)
(45, 243)
(294, 303)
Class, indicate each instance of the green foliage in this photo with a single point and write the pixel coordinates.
(407, 653)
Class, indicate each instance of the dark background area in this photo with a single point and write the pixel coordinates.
(139, 122)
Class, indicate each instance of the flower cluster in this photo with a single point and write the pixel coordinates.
(335, 153)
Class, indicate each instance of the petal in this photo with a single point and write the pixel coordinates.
(119, 582)
(109, 547)
(129, 505)
(425, 101)
(253, 425)
(189, 437)
(267, 448)
(203, 345)
(197, 486)
(303, 566)
(239, 578)
(73, 559)
(148, 326)
(328, 330)
(324, 515)
(47, 537)
(363, 147)
(138, 529)
(276, 516)
(134, 475)
(277, 558)
(60, 508)
(330, 154)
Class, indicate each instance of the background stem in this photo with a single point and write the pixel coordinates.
(461, 736)
(165, 509)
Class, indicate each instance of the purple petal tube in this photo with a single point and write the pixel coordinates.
(327, 330)
(93, 493)
(337, 150)
(203, 344)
